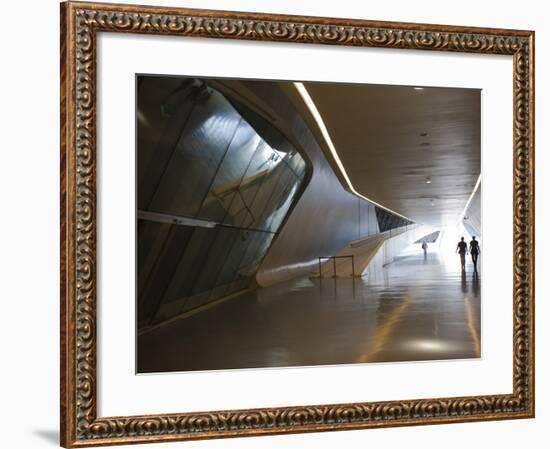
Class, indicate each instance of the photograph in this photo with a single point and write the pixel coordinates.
(292, 223)
(278, 223)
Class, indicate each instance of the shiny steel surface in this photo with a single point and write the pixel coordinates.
(418, 309)
(327, 216)
(214, 187)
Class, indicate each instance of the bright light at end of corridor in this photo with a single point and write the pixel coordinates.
(449, 238)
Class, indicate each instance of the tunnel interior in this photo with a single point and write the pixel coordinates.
(245, 226)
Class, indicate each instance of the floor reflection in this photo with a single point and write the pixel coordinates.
(419, 308)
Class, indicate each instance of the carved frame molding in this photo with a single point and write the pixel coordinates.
(80, 23)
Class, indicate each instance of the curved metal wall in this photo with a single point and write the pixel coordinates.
(327, 216)
(217, 179)
(214, 185)
(472, 218)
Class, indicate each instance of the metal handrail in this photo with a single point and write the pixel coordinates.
(334, 264)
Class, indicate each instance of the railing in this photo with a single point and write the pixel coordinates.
(334, 264)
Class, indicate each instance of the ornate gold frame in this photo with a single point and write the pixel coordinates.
(80, 22)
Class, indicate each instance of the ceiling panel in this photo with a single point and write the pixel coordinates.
(415, 151)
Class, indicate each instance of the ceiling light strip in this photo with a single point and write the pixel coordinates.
(324, 131)
(478, 183)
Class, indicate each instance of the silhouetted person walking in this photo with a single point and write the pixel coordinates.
(461, 249)
(425, 248)
(474, 251)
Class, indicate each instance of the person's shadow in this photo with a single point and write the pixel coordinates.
(49, 435)
(475, 283)
(463, 284)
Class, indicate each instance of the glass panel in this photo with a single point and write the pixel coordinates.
(373, 222)
(230, 173)
(237, 211)
(191, 264)
(388, 221)
(230, 269)
(285, 201)
(205, 160)
(238, 285)
(217, 257)
(263, 202)
(259, 243)
(298, 165)
(228, 289)
(255, 253)
(240, 213)
(199, 151)
(269, 195)
(152, 237)
(158, 128)
(165, 265)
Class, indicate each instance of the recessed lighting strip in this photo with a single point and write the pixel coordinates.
(324, 131)
(478, 183)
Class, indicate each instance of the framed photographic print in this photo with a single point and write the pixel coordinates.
(275, 224)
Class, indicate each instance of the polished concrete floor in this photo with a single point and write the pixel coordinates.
(418, 308)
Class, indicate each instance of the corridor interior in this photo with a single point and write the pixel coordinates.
(420, 307)
(281, 223)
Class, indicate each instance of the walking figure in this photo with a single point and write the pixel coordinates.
(474, 251)
(462, 249)
(425, 248)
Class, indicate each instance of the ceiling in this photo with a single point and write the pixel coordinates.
(393, 139)
(415, 151)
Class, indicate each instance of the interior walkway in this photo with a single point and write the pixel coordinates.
(418, 308)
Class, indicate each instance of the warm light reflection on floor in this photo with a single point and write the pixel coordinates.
(419, 308)
(377, 342)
